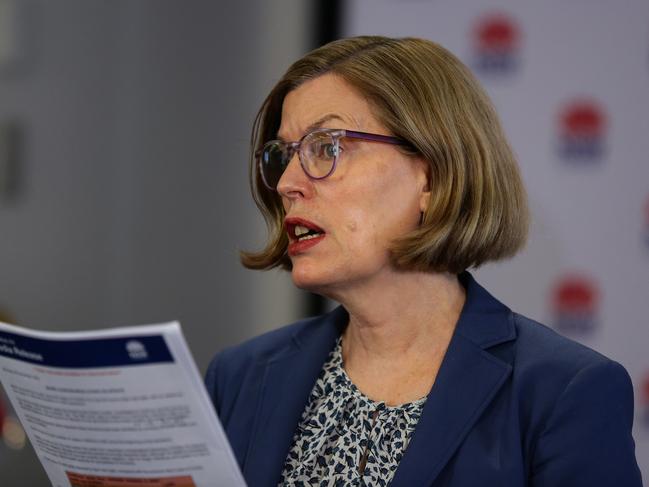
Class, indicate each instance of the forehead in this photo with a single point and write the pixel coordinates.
(326, 101)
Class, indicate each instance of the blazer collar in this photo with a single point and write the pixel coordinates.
(484, 320)
(467, 381)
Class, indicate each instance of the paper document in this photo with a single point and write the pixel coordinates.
(123, 407)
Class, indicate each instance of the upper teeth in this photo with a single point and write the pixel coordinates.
(300, 230)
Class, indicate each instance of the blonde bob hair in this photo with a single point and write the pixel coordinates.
(421, 93)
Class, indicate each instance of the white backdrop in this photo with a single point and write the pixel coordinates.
(570, 80)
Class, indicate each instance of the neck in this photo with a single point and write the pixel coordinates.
(402, 316)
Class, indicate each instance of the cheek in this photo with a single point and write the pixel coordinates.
(352, 226)
(356, 226)
(377, 208)
(365, 228)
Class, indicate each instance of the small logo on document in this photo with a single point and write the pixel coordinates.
(136, 350)
(496, 44)
(575, 301)
(582, 131)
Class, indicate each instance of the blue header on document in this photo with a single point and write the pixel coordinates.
(86, 353)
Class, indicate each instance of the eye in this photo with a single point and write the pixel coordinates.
(320, 146)
(323, 149)
(329, 150)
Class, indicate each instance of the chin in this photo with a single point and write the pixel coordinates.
(311, 278)
(306, 281)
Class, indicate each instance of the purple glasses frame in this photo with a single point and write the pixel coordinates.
(290, 148)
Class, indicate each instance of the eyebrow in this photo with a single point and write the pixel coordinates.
(317, 124)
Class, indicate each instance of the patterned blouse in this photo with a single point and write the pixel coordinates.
(345, 438)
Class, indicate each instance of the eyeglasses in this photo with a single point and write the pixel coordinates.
(318, 152)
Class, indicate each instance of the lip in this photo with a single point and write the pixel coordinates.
(295, 246)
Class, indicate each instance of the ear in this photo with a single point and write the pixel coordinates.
(423, 184)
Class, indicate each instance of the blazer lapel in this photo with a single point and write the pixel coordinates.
(467, 381)
(288, 379)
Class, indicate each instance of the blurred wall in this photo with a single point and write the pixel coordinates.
(131, 200)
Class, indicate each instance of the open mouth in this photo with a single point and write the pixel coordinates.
(305, 233)
(302, 230)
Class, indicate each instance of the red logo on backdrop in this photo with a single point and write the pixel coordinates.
(582, 130)
(497, 40)
(576, 301)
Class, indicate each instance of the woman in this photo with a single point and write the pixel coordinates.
(383, 174)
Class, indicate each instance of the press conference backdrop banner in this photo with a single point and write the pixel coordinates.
(570, 80)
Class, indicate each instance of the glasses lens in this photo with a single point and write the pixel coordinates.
(319, 151)
(273, 161)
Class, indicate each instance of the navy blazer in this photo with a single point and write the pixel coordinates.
(514, 404)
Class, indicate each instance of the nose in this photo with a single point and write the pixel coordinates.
(294, 182)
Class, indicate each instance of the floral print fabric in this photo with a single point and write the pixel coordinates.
(346, 439)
